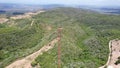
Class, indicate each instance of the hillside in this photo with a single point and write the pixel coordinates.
(84, 41)
(85, 37)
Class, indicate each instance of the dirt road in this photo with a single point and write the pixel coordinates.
(114, 47)
(26, 62)
(3, 20)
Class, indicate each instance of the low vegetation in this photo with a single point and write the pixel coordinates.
(18, 41)
(118, 61)
(84, 42)
(85, 37)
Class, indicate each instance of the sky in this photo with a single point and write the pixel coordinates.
(67, 2)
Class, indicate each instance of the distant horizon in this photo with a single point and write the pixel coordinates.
(62, 4)
(67, 2)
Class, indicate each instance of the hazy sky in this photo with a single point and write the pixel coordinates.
(77, 2)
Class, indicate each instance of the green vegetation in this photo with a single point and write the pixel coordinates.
(2, 25)
(34, 63)
(16, 42)
(118, 61)
(85, 37)
(84, 42)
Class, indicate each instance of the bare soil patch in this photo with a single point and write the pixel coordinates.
(26, 62)
(114, 47)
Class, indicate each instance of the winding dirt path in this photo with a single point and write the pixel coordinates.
(26, 62)
(32, 23)
(114, 47)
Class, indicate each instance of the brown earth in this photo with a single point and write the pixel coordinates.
(114, 47)
(2, 20)
(26, 62)
(26, 15)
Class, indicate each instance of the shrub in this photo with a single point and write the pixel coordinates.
(117, 62)
(34, 63)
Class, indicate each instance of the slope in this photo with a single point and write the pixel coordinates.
(84, 40)
(85, 37)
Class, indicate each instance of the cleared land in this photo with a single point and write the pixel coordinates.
(115, 54)
(26, 62)
(84, 42)
(114, 47)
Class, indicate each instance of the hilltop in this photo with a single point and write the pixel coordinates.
(84, 41)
